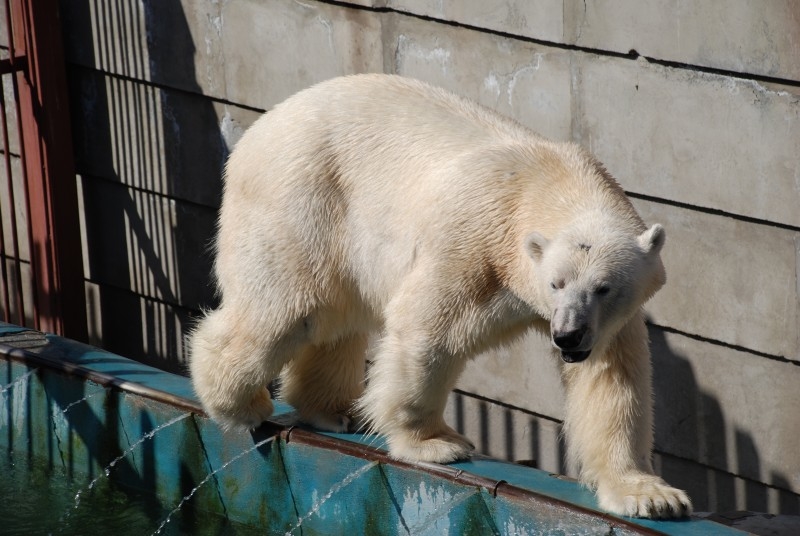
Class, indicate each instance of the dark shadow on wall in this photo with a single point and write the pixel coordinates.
(150, 159)
(690, 423)
(507, 432)
(705, 454)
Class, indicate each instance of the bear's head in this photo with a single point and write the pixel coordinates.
(593, 280)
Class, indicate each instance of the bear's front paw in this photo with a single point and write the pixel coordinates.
(643, 495)
(444, 447)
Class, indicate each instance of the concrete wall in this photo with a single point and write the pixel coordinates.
(695, 108)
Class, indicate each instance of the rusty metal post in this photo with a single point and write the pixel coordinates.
(50, 175)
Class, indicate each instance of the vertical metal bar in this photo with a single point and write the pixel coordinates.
(3, 266)
(15, 253)
(52, 195)
(11, 45)
(17, 49)
(13, 217)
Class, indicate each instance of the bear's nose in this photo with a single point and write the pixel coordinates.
(567, 340)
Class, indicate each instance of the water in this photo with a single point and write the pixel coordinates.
(60, 411)
(208, 477)
(35, 496)
(107, 471)
(335, 489)
(438, 512)
(21, 379)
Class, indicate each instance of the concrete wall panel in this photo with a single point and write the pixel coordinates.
(507, 433)
(728, 409)
(728, 280)
(261, 69)
(149, 331)
(744, 36)
(156, 139)
(525, 374)
(148, 244)
(178, 44)
(522, 80)
(542, 19)
(697, 138)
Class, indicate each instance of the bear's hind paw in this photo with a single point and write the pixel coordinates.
(644, 496)
(328, 422)
(248, 416)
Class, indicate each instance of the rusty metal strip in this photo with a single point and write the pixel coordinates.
(498, 488)
(25, 354)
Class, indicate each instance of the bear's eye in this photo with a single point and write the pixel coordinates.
(602, 290)
(558, 284)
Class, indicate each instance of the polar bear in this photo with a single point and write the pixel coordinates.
(379, 204)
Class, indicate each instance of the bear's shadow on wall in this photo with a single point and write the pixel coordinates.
(704, 454)
(690, 423)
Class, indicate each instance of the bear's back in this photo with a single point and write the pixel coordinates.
(370, 175)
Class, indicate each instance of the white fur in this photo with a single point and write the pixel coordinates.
(374, 203)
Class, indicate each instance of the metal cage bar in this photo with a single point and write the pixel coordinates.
(35, 63)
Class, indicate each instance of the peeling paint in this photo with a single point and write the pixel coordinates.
(408, 48)
(302, 4)
(514, 76)
(325, 23)
(491, 84)
(230, 129)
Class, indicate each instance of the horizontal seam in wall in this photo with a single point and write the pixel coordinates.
(190, 311)
(164, 87)
(8, 256)
(713, 211)
(724, 471)
(507, 406)
(11, 154)
(631, 55)
(655, 451)
(700, 338)
(140, 190)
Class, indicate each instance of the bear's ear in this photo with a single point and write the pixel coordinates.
(652, 240)
(535, 245)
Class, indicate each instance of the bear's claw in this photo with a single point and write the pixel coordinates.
(446, 447)
(644, 495)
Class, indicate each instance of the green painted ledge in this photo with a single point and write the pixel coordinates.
(292, 462)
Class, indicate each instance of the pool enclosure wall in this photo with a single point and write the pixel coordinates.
(89, 415)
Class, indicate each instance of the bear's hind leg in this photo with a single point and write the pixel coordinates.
(231, 363)
(323, 382)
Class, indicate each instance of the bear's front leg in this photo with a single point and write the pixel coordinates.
(609, 432)
(405, 397)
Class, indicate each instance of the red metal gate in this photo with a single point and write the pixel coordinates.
(41, 268)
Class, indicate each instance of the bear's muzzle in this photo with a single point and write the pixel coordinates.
(570, 343)
(575, 357)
